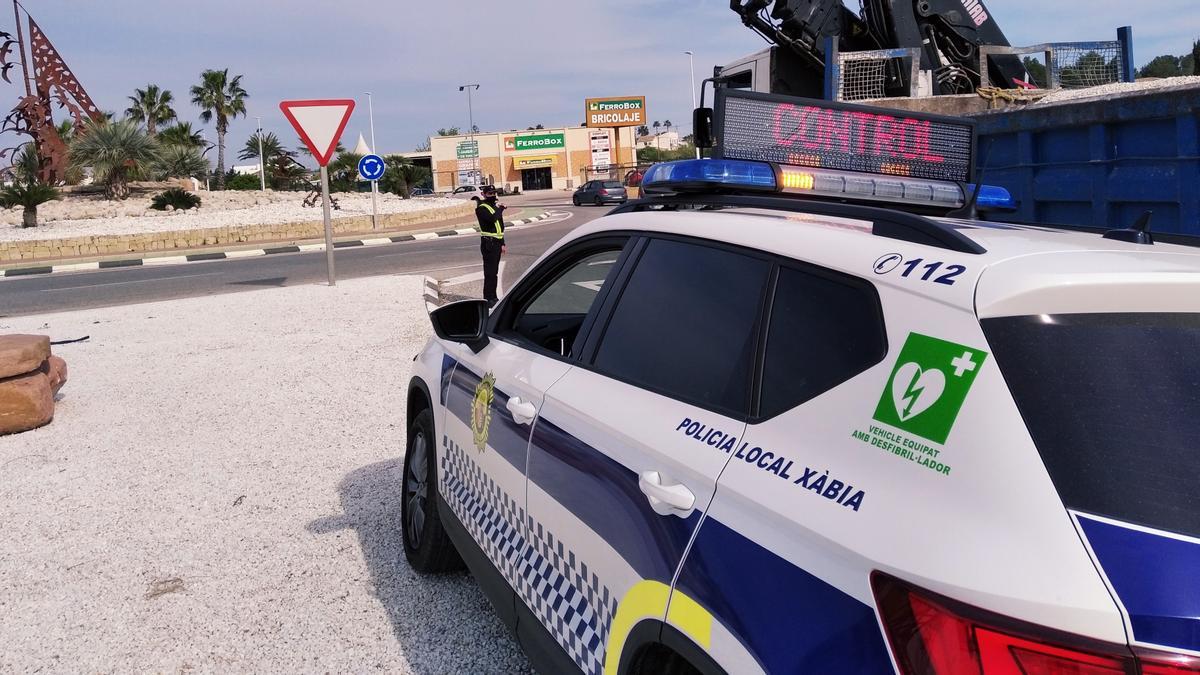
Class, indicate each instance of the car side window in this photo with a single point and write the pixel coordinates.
(824, 328)
(550, 317)
(686, 324)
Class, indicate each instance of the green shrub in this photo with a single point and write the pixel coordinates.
(178, 198)
(242, 181)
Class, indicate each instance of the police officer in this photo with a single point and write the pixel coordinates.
(491, 241)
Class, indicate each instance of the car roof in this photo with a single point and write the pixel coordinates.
(1029, 269)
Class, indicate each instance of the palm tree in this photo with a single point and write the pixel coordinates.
(657, 140)
(29, 196)
(302, 149)
(181, 134)
(271, 148)
(273, 152)
(343, 172)
(180, 161)
(114, 151)
(151, 105)
(643, 131)
(66, 130)
(27, 190)
(402, 176)
(220, 97)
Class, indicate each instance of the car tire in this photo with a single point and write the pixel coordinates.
(426, 545)
(575, 200)
(599, 202)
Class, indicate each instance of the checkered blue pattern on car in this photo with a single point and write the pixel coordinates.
(562, 592)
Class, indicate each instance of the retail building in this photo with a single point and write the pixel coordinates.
(537, 159)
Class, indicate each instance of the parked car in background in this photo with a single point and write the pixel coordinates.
(421, 192)
(600, 192)
(465, 190)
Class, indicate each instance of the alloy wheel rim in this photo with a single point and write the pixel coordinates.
(416, 490)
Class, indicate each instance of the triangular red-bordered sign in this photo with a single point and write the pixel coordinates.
(320, 123)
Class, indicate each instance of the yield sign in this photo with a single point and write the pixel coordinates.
(320, 123)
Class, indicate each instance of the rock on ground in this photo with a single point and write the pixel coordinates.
(20, 354)
(220, 491)
(26, 402)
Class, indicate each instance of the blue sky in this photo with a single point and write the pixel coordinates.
(536, 60)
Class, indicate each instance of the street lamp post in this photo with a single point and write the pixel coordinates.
(262, 161)
(471, 131)
(692, 88)
(374, 183)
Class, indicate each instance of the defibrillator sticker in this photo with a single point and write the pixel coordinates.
(928, 386)
(923, 396)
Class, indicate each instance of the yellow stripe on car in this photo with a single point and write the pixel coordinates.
(648, 600)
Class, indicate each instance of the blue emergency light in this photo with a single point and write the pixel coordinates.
(690, 175)
(994, 197)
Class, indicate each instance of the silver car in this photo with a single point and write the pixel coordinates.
(600, 192)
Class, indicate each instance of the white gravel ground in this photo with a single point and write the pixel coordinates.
(77, 216)
(1118, 89)
(219, 491)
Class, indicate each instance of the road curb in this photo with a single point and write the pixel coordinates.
(433, 294)
(247, 253)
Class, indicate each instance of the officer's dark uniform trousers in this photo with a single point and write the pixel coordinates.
(491, 230)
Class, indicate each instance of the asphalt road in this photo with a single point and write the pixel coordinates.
(449, 258)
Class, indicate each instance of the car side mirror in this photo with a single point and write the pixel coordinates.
(702, 127)
(464, 322)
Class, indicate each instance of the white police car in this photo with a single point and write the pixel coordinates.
(733, 429)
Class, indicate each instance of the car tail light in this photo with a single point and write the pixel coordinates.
(603, 191)
(933, 635)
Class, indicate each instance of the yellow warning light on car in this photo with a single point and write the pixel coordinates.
(799, 180)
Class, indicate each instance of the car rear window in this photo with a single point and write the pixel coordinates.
(612, 183)
(1112, 402)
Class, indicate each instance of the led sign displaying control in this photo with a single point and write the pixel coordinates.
(819, 134)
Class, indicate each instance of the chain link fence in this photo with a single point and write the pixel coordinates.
(865, 75)
(1063, 65)
(859, 76)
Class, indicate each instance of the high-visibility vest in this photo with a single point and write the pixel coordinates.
(497, 233)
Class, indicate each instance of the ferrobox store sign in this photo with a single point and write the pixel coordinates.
(620, 111)
(535, 142)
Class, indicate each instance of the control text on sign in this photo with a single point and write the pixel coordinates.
(822, 135)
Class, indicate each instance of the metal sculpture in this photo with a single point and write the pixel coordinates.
(48, 82)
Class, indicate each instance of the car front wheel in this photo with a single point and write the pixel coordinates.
(426, 544)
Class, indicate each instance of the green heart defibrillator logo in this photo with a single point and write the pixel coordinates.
(928, 385)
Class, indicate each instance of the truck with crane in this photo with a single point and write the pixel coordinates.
(1096, 160)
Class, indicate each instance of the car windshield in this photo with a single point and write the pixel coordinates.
(1110, 401)
(612, 184)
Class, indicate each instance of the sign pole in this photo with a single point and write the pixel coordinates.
(320, 123)
(374, 183)
(328, 225)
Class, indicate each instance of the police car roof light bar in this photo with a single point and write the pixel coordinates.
(700, 174)
(889, 223)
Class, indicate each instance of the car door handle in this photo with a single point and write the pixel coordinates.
(523, 412)
(675, 496)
